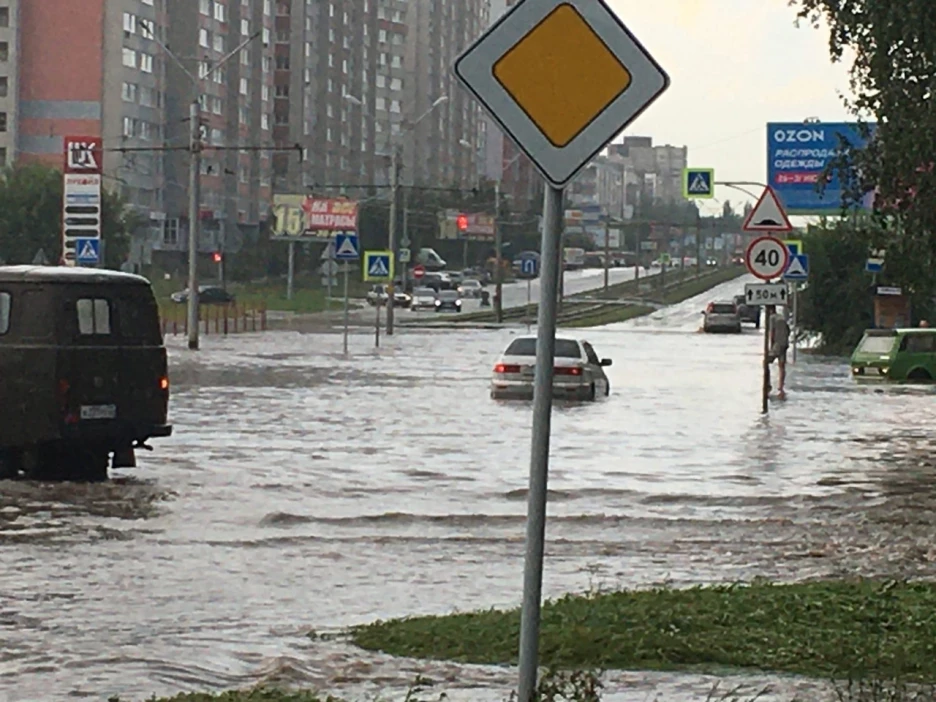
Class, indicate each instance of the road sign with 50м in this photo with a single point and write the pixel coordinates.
(767, 257)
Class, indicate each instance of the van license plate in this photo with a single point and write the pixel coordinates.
(99, 411)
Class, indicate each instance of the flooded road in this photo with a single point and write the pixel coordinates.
(305, 492)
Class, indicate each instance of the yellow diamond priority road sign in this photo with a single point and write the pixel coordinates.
(562, 78)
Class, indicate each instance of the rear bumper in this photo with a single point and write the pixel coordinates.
(115, 433)
(512, 390)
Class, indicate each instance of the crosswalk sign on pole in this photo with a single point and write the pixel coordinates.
(378, 266)
(88, 251)
(346, 246)
(798, 268)
(699, 183)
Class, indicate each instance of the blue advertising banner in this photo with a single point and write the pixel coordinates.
(797, 155)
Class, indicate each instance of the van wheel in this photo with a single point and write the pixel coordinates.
(592, 392)
(46, 462)
(919, 374)
(89, 465)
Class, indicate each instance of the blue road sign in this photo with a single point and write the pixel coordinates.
(88, 250)
(378, 266)
(874, 265)
(798, 268)
(346, 246)
(699, 182)
(529, 265)
(797, 155)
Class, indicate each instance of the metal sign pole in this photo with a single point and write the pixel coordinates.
(290, 272)
(765, 394)
(795, 296)
(347, 268)
(529, 301)
(550, 271)
(377, 325)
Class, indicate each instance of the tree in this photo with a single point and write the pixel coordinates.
(31, 217)
(893, 81)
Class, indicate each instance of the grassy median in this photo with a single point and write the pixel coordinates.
(858, 628)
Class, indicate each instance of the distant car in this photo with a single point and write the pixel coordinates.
(423, 298)
(207, 295)
(448, 300)
(379, 294)
(722, 317)
(578, 373)
(455, 276)
(470, 288)
(749, 313)
(711, 262)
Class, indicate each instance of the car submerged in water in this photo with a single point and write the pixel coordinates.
(895, 355)
(83, 372)
(578, 373)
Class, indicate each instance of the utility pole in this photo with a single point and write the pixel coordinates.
(498, 261)
(391, 236)
(195, 148)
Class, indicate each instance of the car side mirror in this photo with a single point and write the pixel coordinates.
(606, 361)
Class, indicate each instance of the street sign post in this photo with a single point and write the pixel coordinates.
(561, 78)
(347, 248)
(699, 183)
(87, 251)
(529, 269)
(798, 268)
(766, 257)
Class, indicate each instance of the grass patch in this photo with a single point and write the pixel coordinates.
(609, 315)
(256, 695)
(679, 293)
(843, 629)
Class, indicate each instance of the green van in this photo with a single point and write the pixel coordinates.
(895, 355)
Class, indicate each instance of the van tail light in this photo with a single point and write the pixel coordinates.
(504, 368)
(567, 370)
(64, 389)
(710, 307)
(164, 383)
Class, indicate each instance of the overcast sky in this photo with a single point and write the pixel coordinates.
(734, 65)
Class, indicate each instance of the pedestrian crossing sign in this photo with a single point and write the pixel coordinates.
(699, 183)
(378, 266)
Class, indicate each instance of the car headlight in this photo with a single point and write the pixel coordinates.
(438, 302)
(458, 302)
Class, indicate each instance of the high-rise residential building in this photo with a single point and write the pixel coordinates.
(339, 91)
(9, 94)
(444, 145)
(88, 69)
(521, 183)
(236, 112)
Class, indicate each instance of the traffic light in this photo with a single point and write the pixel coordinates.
(462, 222)
(216, 257)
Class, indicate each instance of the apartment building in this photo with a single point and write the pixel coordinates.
(9, 102)
(236, 113)
(657, 169)
(447, 145)
(339, 92)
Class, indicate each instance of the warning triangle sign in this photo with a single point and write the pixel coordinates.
(346, 248)
(378, 268)
(768, 215)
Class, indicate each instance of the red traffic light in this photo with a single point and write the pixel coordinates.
(216, 257)
(462, 222)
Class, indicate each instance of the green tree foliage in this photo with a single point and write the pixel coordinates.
(893, 78)
(31, 217)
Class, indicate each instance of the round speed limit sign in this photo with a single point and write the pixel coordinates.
(767, 257)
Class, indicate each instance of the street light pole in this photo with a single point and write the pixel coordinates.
(195, 148)
(498, 261)
(391, 231)
(194, 203)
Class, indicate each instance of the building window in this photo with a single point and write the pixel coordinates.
(245, 27)
(129, 92)
(4, 16)
(203, 38)
(265, 93)
(282, 91)
(146, 63)
(243, 86)
(129, 23)
(282, 62)
(129, 58)
(264, 121)
(4, 86)
(171, 231)
(244, 115)
(204, 6)
(219, 40)
(3, 121)
(3, 157)
(219, 12)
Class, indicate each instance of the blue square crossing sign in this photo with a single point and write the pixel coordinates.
(699, 183)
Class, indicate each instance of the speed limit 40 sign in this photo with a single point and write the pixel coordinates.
(767, 257)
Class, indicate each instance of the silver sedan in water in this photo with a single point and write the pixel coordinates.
(578, 373)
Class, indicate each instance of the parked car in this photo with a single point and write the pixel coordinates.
(749, 313)
(722, 317)
(470, 288)
(898, 355)
(711, 262)
(207, 295)
(423, 298)
(378, 294)
(84, 372)
(578, 372)
(448, 301)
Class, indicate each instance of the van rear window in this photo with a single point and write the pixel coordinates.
(93, 316)
(880, 344)
(5, 305)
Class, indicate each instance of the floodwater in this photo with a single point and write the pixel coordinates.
(306, 492)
